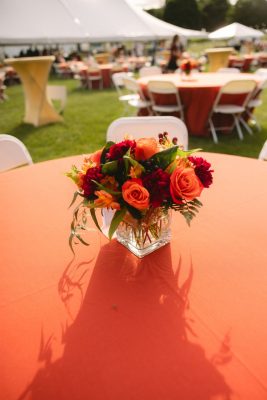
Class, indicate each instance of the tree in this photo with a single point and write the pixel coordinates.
(213, 13)
(184, 13)
(251, 13)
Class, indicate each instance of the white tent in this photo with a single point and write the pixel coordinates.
(76, 21)
(148, 4)
(237, 31)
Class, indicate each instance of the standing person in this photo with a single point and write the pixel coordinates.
(176, 52)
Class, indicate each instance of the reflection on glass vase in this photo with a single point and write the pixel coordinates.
(146, 235)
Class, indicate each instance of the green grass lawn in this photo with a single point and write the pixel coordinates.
(86, 119)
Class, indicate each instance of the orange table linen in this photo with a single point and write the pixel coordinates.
(197, 95)
(187, 322)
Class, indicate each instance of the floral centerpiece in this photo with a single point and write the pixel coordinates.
(187, 66)
(140, 181)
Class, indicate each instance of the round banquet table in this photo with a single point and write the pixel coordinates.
(187, 322)
(197, 95)
(106, 72)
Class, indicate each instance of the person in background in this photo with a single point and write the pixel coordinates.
(176, 51)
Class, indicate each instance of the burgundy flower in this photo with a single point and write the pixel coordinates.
(118, 150)
(88, 185)
(158, 185)
(202, 170)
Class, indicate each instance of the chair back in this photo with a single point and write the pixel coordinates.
(242, 87)
(94, 70)
(148, 71)
(117, 78)
(261, 71)
(162, 87)
(57, 93)
(228, 71)
(263, 152)
(131, 84)
(139, 127)
(13, 153)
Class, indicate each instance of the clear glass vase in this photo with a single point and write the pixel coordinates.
(146, 235)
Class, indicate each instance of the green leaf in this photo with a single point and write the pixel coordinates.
(76, 194)
(165, 157)
(134, 163)
(183, 153)
(93, 215)
(73, 174)
(105, 151)
(110, 168)
(117, 218)
(81, 240)
(102, 187)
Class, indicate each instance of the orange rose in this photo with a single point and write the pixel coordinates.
(184, 184)
(145, 148)
(95, 157)
(135, 194)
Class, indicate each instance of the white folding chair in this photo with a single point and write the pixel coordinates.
(139, 127)
(237, 87)
(94, 75)
(256, 101)
(3, 96)
(117, 80)
(13, 153)
(149, 71)
(156, 88)
(133, 88)
(228, 70)
(261, 71)
(263, 152)
(57, 93)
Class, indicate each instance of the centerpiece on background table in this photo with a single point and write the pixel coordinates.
(140, 181)
(186, 67)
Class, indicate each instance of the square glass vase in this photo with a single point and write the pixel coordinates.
(147, 234)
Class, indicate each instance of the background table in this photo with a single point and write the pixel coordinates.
(187, 322)
(33, 72)
(197, 95)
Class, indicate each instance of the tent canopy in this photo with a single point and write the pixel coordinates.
(148, 4)
(77, 21)
(235, 30)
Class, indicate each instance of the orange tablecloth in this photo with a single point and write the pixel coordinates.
(187, 322)
(106, 72)
(245, 61)
(197, 95)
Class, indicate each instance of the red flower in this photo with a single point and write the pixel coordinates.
(88, 185)
(186, 66)
(158, 185)
(202, 170)
(118, 150)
